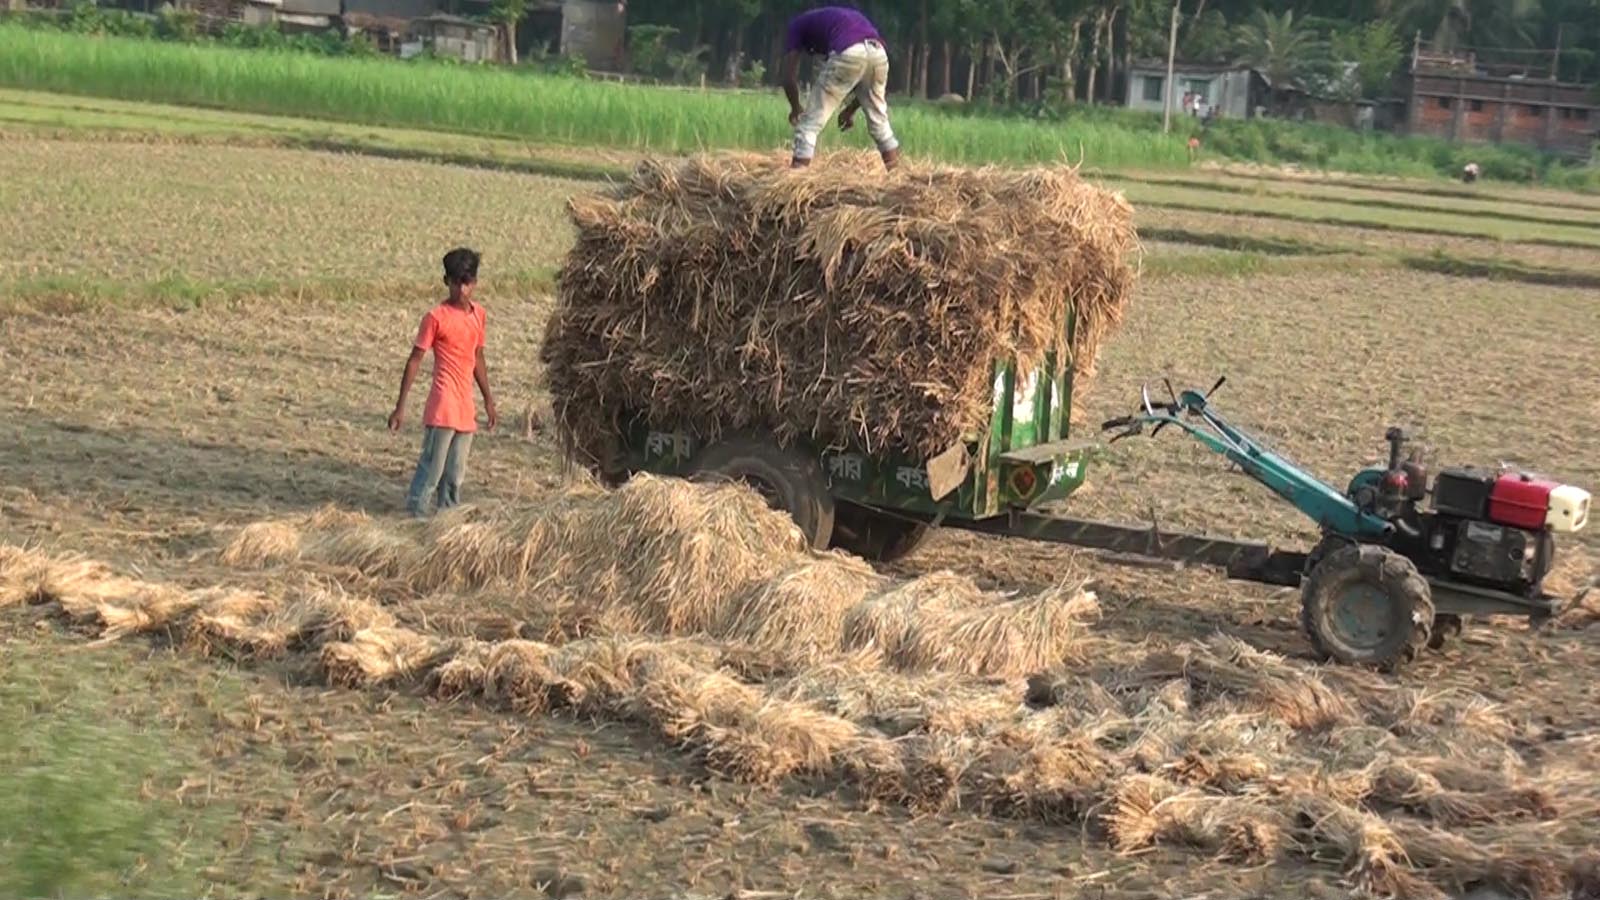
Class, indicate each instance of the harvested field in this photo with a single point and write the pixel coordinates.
(1210, 746)
(102, 211)
(776, 732)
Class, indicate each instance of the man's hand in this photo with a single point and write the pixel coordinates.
(494, 417)
(397, 418)
(847, 120)
(794, 116)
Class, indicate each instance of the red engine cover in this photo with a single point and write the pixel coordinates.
(1520, 501)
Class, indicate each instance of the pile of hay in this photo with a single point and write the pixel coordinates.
(1214, 746)
(726, 291)
(667, 557)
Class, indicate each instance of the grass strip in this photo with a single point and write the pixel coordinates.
(1574, 198)
(1372, 224)
(59, 295)
(1239, 242)
(1501, 270)
(1378, 203)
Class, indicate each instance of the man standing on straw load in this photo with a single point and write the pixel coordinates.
(857, 67)
(455, 332)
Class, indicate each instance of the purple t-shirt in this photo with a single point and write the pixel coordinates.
(829, 29)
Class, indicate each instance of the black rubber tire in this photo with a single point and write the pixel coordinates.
(1445, 628)
(1328, 544)
(1407, 621)
(790, 480)
(875, 536)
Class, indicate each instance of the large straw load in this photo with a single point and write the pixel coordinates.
(837, 303)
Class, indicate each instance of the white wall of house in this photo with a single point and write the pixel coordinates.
(1228, 92)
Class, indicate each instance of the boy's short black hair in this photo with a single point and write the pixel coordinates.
(461, 266)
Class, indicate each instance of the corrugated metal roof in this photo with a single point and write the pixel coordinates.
(394, 9)
(311, 7)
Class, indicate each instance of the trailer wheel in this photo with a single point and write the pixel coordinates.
(789, 480)
(1367, 605)
(875, 536)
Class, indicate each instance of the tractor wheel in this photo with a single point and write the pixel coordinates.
(1446, 627)
(787, 478)
(875, 536)
(1367, 605)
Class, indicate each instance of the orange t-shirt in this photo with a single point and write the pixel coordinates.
(455, 336)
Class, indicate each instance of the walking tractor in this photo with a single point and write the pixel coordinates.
(1402, 560)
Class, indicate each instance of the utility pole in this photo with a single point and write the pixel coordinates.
(1555, 61)
(1172, 54)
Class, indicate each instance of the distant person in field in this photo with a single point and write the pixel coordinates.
(856, 67)
(455, 331)
(1469, 173)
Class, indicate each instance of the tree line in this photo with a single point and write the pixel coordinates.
(1005, 51)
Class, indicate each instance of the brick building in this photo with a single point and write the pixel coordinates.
(1456, 98)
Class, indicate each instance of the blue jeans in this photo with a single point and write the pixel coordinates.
(440, 470)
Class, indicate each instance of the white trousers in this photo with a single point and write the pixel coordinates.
(863, 70)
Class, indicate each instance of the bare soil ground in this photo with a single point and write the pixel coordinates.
(145, 436)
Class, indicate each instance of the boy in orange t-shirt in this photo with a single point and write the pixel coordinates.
(455, 331)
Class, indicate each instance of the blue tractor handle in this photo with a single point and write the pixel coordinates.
(1335, 511)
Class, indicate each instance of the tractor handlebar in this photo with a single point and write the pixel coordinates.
(1159, 413)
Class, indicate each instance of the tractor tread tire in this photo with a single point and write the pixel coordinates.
(1399, 579)
(795, 478)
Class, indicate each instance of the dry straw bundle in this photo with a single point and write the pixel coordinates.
(382, 655)
(277, 541)
(22, 575)
(1204, 746)
(1016, 638)
(883, 623)
(725, 292)
(1146, 810)
(800, 612)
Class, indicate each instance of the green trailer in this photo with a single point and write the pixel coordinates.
(880, 505)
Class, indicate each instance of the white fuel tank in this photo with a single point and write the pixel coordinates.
(1569, 509)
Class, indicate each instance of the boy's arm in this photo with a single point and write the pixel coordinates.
(413, 363)
(791, 85)
(480, 374)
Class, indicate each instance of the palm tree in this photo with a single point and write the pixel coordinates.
(1453, 24)
(1278, 47)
